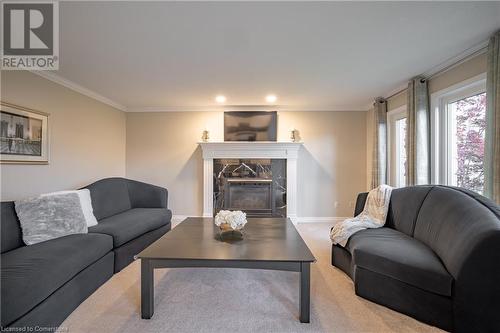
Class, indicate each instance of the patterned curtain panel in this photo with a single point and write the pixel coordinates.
(379, 154)
(418, 133)
(492, 149)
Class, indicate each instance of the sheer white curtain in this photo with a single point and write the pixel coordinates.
(492, 146)
(418, 133)
(379, 153)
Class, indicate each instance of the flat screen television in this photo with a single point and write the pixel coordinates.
(250, 126)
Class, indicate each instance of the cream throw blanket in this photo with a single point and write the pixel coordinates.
(372, 216)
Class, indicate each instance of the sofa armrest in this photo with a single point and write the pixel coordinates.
(143, 195)
(476, 301)
(360, 203)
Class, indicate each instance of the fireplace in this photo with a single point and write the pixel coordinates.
(255, 186)
(284, 184)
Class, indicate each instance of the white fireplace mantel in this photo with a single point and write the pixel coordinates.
(282, 150)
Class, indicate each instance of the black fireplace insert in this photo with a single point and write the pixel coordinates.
(255, 186)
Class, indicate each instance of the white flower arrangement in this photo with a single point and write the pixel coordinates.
(234, 219)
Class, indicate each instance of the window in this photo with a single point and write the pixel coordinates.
(396, 141)
(458, 121)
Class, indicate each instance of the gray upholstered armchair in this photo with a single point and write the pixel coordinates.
(437, 258)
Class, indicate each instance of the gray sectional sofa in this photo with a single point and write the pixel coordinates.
(437, 259)
(42, 284)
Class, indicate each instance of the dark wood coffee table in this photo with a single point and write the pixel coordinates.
(268, 243)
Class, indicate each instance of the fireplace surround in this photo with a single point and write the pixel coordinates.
(242, 151)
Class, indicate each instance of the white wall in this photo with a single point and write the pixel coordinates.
(162, 149)
(90, 140)
(87, 138)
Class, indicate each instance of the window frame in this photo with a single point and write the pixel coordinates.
(440, 121)
(393, 174)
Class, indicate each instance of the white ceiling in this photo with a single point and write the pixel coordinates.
(312, 55)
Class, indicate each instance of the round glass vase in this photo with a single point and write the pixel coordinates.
(226, 232)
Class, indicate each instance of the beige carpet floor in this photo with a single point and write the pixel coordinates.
(239, 300)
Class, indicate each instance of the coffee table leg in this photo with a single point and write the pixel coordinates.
(147, 289)
(305, 291)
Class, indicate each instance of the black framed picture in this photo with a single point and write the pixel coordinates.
(24, 135)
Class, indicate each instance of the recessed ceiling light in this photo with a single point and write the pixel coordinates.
(271, 98)
(220, 99)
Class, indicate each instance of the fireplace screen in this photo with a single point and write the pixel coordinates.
(257, 187)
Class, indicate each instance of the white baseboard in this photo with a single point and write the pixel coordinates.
(320, 219)
(312, 219)
(180, 218)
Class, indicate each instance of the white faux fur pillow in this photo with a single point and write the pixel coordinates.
(86, 202)
(47, 217)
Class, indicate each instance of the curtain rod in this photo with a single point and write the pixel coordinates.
(442, 68)
(396, 93)
(431, 75)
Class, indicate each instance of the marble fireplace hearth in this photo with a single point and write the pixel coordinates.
(261, 176)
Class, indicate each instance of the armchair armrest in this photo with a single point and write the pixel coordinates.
(476, 303)
(360, 203)
(143, 195)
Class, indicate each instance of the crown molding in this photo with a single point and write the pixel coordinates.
(445, 66)
(457, 60)
(217, 108)
(79, 89)
(206, 108)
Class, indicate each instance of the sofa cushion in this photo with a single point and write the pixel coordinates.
(404, 207)
(110, 196)
(32, 273)
(133, 223)
(392, 253)
(10, 229)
